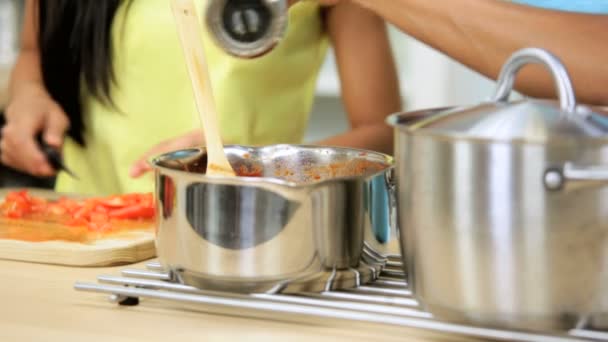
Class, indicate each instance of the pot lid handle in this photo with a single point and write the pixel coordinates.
(540, 56)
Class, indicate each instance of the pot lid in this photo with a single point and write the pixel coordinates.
(529, 120)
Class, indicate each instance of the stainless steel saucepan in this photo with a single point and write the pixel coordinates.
(294, 221)
(503, 207)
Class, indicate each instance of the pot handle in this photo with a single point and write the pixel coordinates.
(392, 199)
(555, 178)
(519, 59)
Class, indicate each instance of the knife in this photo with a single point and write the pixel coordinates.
(54, 158)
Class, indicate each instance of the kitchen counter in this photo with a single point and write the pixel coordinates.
(39, 303)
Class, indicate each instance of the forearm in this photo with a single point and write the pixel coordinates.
(482, 34)
(378, 137)
(368, 77)
(26, 72)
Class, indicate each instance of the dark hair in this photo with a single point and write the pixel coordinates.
(74, 39)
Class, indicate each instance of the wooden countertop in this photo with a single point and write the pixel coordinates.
(38, 302)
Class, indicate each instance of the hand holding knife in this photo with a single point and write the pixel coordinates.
(54, 158)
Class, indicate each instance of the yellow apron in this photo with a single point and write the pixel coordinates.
(260, 101)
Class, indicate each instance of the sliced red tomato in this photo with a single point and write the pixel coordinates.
(37, 201)
(57, 209)
(113, 201)
(94, 213)
(98, 217)
(17, 195)
(19, 200)
(147, 200)
(69, 204)
(133, 212)
(38, 208)
(100, 208)
(15, 213)
(131, 199)
(17, 208)
(80, 214)
(99, 226)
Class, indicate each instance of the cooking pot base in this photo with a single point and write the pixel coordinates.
(328, 280)
(559, 322)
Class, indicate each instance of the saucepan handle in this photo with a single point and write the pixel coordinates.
(380, 192)
(526, 56)
(382, 201)
(556, 178)
(392, 199)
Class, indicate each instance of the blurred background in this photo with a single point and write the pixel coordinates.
(428, 79)
(10, 21)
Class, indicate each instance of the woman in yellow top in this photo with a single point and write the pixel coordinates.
(111, 75)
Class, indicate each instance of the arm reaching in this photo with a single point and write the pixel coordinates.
(482, 34)
(368, 77)
(31, 110)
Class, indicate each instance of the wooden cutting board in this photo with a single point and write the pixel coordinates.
(134, 246)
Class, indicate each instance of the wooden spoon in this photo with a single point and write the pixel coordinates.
(188, 28)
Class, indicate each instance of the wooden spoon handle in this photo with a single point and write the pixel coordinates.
(188, 28)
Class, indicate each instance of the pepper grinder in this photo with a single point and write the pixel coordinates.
(247, 28)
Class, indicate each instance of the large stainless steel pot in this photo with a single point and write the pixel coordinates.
(503, 207)
(301, 227)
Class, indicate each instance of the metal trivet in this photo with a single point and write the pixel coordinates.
(387, 301)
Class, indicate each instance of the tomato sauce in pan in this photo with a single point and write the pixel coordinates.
(306, 173)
